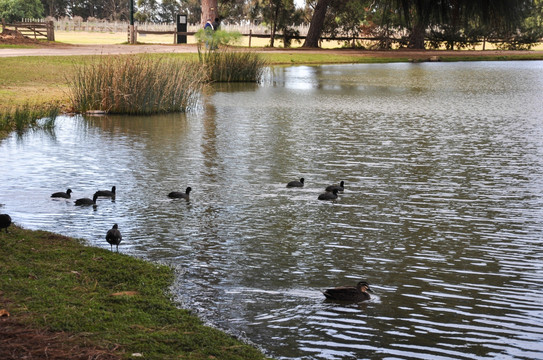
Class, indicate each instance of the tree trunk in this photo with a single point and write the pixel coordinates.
(274, 25)
(416, 39)
(209, 11)
(317, 22)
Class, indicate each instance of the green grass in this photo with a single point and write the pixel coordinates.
(57, 283)
(34, 79)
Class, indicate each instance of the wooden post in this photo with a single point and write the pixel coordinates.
(131, 34)
(250, 33)
(50, 31)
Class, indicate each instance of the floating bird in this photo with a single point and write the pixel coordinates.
(340, 187)
(349, 293)
(107, 193)
(296, 183)
(87, 201)
(180, 195)
(114, 237)
(60, 194)
(5, 221)
(328, 195)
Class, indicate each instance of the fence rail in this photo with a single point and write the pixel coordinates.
(121, 26)
(36, 29)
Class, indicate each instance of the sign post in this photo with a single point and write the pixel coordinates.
(181, 27)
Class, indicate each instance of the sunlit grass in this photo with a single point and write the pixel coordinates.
(102, 298)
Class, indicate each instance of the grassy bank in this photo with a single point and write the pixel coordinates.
(98, 299)
(45, 79)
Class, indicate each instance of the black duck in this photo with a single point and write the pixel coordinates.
(5, 221)
(87, 201)
(114, 237)
(296, 183)
(340, 187)
(328, 195)
(349, 293)
(107, 193)
(60, 194)
(180, 195)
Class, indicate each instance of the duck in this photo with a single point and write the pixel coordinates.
(296, 183)
(107, 193)
(328, 195)
(87, 201)
(60, 194)
(349, 293)
(5, 221)
(180, 195)
(340, 187)
(114, 237)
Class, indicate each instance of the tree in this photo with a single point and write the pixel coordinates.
(16, 10)
(210, 11)
(169, 10)
(317, 22)
(55, 8)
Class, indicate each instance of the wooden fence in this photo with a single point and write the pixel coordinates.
(35, 29)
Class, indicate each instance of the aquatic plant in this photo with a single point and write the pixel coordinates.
(225, 65)
(136, 85)
(221, 63)
(22, 117)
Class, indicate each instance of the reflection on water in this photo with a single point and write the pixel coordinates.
(442, 211)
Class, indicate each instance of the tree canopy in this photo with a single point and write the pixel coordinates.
(413, 23)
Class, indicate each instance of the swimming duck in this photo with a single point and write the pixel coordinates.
(87, 201)
(296, 183)
(60, 194)
(328, 195)
(5, 221)
(114, 237)
(340, 187)
(180, 195)
(349, 293)
(107, 193)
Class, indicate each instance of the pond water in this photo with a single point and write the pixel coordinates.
(442, 211)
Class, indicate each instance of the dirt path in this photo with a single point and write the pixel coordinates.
(69, 50)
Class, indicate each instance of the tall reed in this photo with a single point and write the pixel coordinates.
(136, 85)
(226, 65)
(223, 64)
(27, 116)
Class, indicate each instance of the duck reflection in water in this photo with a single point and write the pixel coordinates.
(349, 293)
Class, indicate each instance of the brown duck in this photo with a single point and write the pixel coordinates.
(349, 293)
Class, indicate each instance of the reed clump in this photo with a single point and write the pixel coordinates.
(29, 116)
(141, 85)
(224, 65)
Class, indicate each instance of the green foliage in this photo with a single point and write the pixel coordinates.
(233, 66)
(27, 116)
(16, 10)
(105, 299)
(223, 65)
(136, 85)
(212, 39)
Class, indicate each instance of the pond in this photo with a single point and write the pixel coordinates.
(442, 211)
